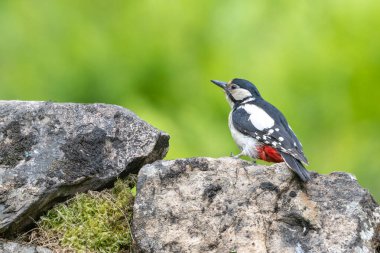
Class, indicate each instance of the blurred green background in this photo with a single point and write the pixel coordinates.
(318, 62)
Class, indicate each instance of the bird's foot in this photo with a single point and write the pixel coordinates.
(236, 156)
(254, 162)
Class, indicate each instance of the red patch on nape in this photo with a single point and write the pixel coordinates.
(269, 154)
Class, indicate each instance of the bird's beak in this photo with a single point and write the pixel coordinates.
(221, 84)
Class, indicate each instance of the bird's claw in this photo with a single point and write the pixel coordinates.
(235, 156)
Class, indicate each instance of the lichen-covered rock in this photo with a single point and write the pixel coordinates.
(230, 205)
(15, 247)
(50, 151)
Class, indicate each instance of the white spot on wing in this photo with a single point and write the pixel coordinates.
(281, 139)
(277, 129)
(270, 131)
(295, 144)
(258, 117)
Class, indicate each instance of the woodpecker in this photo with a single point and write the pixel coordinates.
(259, 129)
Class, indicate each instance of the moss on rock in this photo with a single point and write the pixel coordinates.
(90, 222)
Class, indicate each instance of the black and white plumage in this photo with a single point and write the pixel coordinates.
(260, 130)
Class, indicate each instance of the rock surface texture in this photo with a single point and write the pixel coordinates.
(13, 247)
(230, 205)
(50, 151)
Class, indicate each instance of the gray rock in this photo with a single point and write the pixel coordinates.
(50, 151)
(229, 205)
(14, 247)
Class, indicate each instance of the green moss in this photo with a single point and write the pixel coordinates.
(91, 222)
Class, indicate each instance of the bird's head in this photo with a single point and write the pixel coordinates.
(238, 90)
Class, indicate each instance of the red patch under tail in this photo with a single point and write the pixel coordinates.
(269, 154)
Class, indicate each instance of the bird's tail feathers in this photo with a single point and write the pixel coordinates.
(296, 166)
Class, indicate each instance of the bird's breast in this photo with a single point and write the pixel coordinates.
(246, 143)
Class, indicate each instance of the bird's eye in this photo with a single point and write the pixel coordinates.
(234, 87)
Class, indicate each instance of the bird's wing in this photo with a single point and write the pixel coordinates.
(254, 121)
